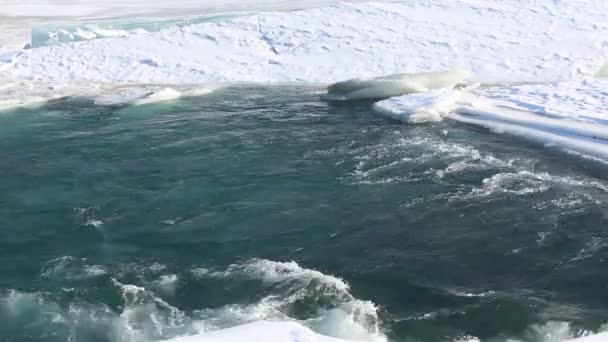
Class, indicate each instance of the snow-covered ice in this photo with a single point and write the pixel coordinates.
(496, 41)
(571, 116)
(18, 17)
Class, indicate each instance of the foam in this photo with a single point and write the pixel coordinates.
(496, 42)
(393, 85)
(71, 269)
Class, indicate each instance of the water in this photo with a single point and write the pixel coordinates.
(138, 223)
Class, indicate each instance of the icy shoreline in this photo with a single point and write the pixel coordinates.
(570, 116)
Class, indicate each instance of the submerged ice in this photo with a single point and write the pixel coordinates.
(394, 85)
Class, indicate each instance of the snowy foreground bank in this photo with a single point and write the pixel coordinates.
(294, 332)
(493, 40)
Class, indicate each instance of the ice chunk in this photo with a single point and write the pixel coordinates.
(394, 85)
(420, 107)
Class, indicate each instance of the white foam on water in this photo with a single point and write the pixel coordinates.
(393, 85)
(527, 182)
(70, 268)
(167, 283)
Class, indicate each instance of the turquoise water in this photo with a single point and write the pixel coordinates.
(144, 223)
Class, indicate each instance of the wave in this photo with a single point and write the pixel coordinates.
(342, 315)
(135, 313)
(138, 311)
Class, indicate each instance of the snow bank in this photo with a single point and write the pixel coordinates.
(572, 116)
(263, 331)
(496, 41)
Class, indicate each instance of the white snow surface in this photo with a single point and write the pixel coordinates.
(571, 116)
(18, 16)
(602, 337)
(261, 331)
(287, 331)
(496, 41)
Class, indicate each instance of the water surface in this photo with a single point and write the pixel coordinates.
(143, 223)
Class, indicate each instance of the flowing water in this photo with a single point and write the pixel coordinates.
(140, 223)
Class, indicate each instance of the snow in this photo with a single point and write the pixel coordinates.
(18, 17)
(602, 337)
(262, 331)
(571, 116)
(495, 41)
(288, 331)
